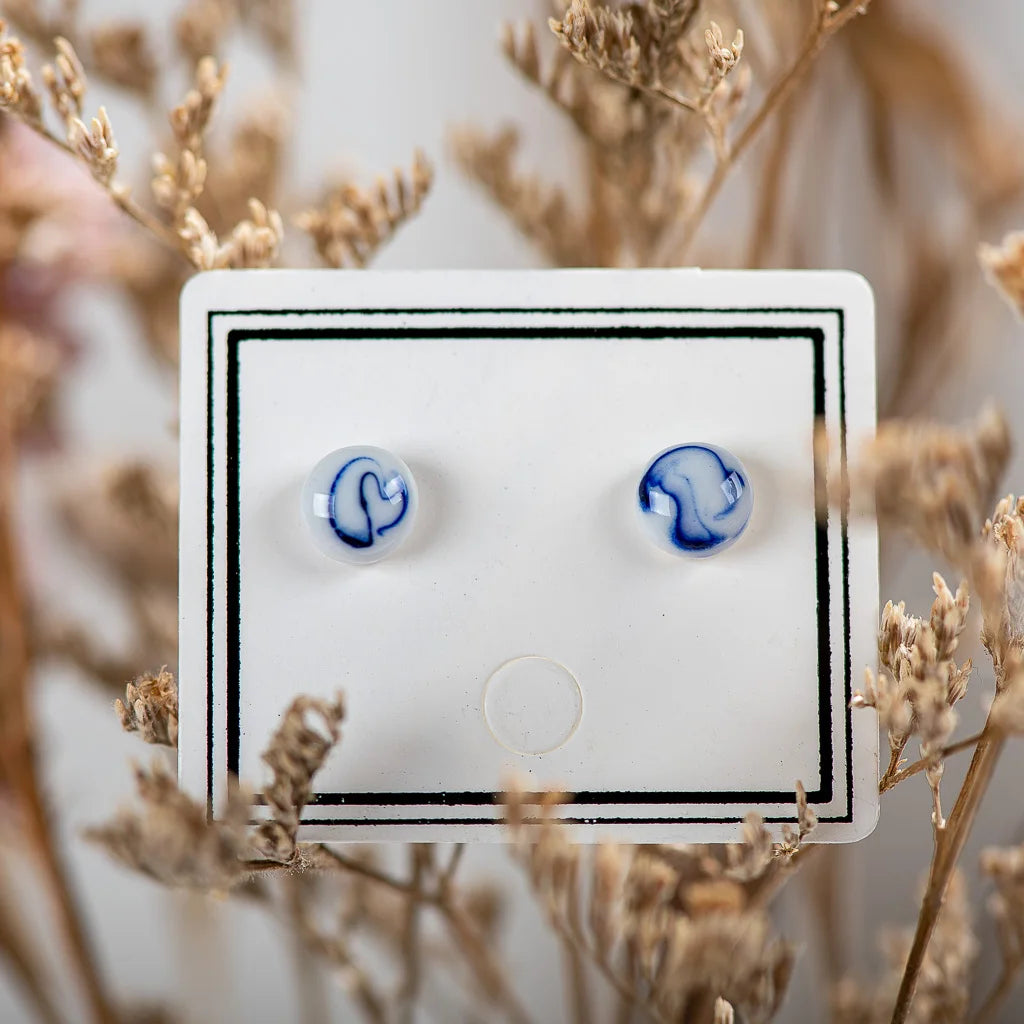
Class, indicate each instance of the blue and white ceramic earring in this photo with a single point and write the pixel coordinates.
(694, 499)
(359, 504)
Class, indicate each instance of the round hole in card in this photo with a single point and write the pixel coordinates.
(532, 705)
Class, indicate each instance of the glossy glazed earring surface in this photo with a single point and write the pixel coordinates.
(359, 504)
(694, 500)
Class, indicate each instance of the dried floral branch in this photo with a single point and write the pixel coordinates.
(635, 45)
(336, 949)
(829, 19)
(170, 838)
(936, 482)
(915, 768)
(308, 733)
(119, 52)
(352, 223)
(420, 860)
(920, 682)
(540, 211)
(952, 475)
(93, 144)
(682, 928)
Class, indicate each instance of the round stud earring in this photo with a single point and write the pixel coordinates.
(359, 504)
(694, 499)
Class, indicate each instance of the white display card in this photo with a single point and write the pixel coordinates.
(528, 611)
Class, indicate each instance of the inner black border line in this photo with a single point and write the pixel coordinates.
(815, 334)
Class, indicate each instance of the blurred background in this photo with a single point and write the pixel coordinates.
(372, 82)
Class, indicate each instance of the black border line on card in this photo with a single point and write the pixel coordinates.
(232, 664)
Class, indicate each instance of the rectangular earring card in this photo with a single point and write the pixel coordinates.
(559, 524)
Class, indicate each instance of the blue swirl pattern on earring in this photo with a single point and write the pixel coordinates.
(695, 499)
(359, 503)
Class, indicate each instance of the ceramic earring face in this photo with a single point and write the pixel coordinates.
(359, 504)
(695, 500)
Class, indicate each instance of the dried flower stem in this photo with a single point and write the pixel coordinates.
(769, 205)
(826, 24)
(891, 778)
(576, 984)
(312, 1001)
(949, 844)
(464, 931)
(17, 740)
(420, 856)
(18, 951)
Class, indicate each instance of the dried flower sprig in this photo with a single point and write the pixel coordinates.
(919, 682)
(171, 840)
(598, 108)
(541, 211)
(178, 181)
(308, 733)
(352, 223)
(952, 474)
(119, 51)
(18, 94)
(647, 85)
(150, 708)
(93, 144)
(936, 482)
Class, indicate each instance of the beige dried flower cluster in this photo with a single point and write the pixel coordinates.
(670, 928)
(1003, 627)
(178, 183)
(178, 180)
(352, 223)
(933, 482)
(150, 708)
(541, 211)
(919, 681)
(119, 52)
(1004, 266)
(307, 734)
(646, 47)
(241, 227)
(18, 94)
(936, 482)
(93, 143)
(170, 839)
(651, 86)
